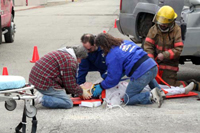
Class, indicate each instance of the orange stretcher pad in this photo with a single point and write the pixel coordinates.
(183, 95)
(78, 100)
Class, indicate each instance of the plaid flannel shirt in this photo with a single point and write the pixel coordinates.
(56, 69)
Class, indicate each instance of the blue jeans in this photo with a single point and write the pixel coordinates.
(53, 98)
(135, 87)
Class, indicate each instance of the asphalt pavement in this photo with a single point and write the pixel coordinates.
(52, 27)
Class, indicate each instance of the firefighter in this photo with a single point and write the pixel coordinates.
(164, 43)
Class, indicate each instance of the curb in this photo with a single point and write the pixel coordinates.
(36, 7)
(49, 4)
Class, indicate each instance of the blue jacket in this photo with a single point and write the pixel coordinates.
(121, 59)
(94, 62)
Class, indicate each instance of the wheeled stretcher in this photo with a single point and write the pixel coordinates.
(14, 88)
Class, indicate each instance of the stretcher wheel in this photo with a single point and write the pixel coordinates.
(10, 105)
(32, 112)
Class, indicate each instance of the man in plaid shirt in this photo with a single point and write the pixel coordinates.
(54, 75)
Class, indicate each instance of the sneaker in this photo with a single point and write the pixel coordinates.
(196, 84)
(156, 96)
(189, 87)
(163, 94)
(38, 99)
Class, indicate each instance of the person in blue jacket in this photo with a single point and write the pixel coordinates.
(94, 62)
(123, 56)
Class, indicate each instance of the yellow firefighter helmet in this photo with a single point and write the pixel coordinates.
(165, 15)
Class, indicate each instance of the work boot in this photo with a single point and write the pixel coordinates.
(189, 87)
(196, 84)
(156, 96)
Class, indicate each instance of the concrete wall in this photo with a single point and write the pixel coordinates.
(30, 2)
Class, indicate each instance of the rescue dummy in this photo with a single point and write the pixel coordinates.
(115, 94)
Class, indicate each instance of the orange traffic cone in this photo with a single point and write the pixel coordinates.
(35, 55)
(5, 71)
(104, 31)
(115, 25)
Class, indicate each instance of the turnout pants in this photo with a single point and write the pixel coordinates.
(170, 77)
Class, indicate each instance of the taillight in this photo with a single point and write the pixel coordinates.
(120, 6)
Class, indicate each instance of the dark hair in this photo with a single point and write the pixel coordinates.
(106, 42)
(88, 38)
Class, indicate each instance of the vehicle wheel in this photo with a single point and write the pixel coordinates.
(196, 60)
(0, 31)
(32, 112)
(10, 105)
(0, 36)
(143, 40)
(9, 36)
(144, 24)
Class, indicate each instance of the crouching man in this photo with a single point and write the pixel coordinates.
(54, 76)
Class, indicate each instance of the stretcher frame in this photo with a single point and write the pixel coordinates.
(10, 96)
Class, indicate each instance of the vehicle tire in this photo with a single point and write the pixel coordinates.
(144, 24)
(143, 40)
(0, 36)
(9, 36)
(196, 60)
(0, 32)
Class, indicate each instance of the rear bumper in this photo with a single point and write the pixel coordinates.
(191, 51)
(192, 42)
(126, 25)
(119, 26)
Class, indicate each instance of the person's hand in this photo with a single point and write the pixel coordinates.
(96, 90)
(160, 56)
(86, 93)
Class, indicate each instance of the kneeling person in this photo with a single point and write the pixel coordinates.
(54, 76)
(123, 56)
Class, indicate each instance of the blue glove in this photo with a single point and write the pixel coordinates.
(96, 91)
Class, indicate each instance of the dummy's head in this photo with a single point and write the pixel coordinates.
(106, 42)
(88, 42)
